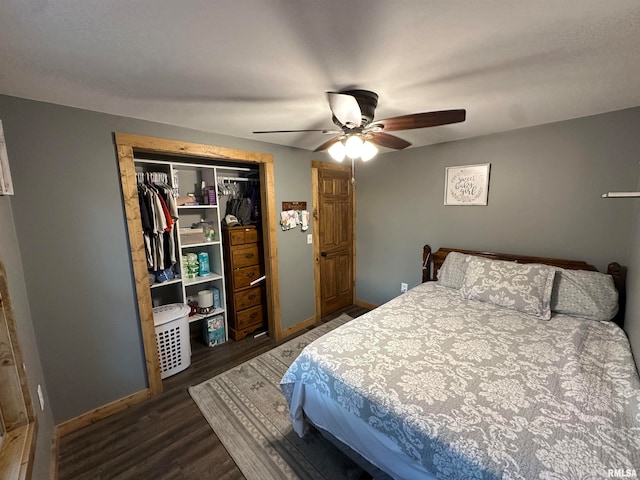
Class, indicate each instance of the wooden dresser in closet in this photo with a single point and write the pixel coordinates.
(244, 263)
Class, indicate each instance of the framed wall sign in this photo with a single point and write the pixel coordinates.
(467, 185)
(6, 185)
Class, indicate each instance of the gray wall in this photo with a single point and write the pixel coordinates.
(10, 256)
(544, 199)
(632, 315)
(71, 229)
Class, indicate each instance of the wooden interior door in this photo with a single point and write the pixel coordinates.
(335, 239)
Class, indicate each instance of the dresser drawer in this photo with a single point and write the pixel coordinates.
(243, 235)
(242, 277)
(248, 298)
(251, 317)
(245, 256)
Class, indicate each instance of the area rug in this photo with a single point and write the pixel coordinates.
(249, 414)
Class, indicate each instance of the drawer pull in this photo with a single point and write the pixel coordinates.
(252, 296)
(248, 255)
(251, 274)
(253, 315)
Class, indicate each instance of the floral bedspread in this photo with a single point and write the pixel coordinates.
(474, 391)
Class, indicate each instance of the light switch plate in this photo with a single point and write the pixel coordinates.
(40, 397)
(309, 238)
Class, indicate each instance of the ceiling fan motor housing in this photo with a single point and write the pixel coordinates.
(367, 101)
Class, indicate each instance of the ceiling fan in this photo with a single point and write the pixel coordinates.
(353, 112)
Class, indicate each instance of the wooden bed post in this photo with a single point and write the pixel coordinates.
(619, 275)
(426, 264)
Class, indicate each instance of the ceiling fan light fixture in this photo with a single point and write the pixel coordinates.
(337, 151)
(353, 146)
(369, 150)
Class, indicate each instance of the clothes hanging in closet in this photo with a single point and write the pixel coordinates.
(244, 206)
(253, 194)
(158, 212)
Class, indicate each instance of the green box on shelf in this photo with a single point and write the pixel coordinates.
(213, 330)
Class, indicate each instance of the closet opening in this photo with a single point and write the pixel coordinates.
(201, 224)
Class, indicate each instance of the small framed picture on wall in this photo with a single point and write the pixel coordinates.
(467, 184)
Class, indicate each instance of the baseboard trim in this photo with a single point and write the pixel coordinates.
(363, 304)
(299, 327)
(92, 416)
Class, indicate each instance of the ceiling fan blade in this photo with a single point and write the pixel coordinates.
(389, 141)
(345, 108)
(327, 144)
(295, 131)
(422, 120)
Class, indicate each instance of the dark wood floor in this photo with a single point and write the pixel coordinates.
(165, 437)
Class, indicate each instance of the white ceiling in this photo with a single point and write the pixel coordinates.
(234, 66)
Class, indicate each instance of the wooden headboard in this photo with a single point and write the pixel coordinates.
(432, 261)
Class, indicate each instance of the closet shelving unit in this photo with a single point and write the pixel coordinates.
(187, 178)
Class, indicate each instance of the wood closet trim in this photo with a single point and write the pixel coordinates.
(127, 144)
(17, 450)
(315, 166)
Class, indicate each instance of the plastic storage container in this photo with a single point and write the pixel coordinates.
(172, 338)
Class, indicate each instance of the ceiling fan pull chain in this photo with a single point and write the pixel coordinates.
(353, 171)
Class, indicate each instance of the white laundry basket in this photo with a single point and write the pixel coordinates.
(172, 338)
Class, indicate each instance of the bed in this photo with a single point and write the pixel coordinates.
(496, 366)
